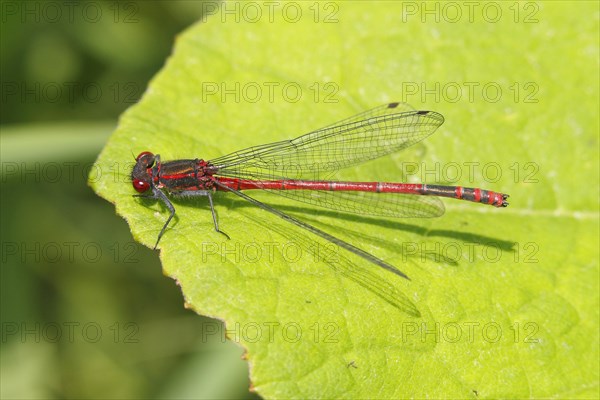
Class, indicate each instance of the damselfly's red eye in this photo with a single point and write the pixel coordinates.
(143, 154)
(140, 186)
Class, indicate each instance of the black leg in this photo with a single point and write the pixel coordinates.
(214, 215)
(162, 197)
(207, 193)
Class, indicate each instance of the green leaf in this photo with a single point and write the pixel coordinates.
(502, 302)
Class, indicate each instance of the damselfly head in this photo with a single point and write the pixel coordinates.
(141, 176)
(145, 157)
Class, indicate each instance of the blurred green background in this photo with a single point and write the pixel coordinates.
(86, 311)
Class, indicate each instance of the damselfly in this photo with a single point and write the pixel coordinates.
(295, 169)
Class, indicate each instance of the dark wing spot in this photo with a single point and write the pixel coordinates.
(393, 105)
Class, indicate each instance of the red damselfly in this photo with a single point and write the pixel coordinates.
(296, 169)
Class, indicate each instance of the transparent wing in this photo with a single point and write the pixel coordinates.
(357, 139)
(394, 205)
(366, 136)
